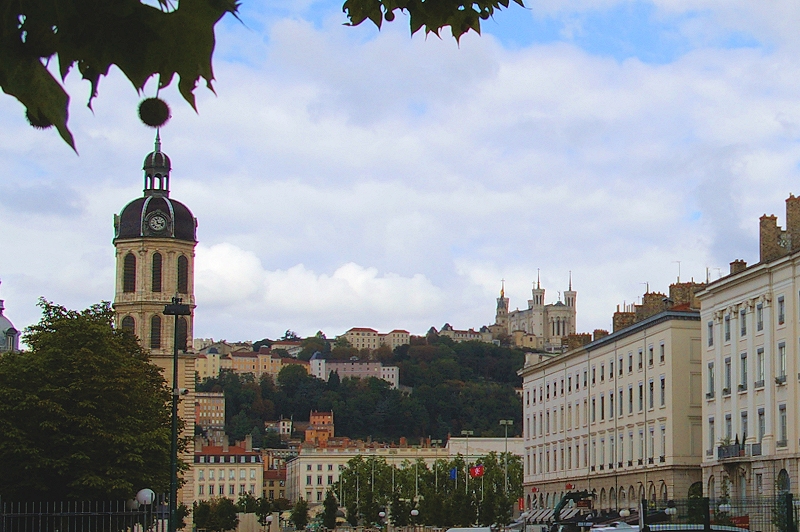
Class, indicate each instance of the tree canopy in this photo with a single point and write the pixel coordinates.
(83, 413)
(145, 41)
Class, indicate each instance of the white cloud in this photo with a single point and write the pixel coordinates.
(345, 177)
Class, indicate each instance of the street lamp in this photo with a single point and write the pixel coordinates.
(505, 423)
(467, 433)
(176, 309)
(436, 443)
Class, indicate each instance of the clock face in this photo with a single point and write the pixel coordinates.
(158, 223)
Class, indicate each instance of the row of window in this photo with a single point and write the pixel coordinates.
(544, 391)
(319, 467)
(129, 273)
(759, 317)
(612, 455)
(743, 380)
(319, 480)
(606, 409)
(761, 428)
(129, 324)
(221, 474)
(201, 489)
(233, 459)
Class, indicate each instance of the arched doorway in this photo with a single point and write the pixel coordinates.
(784, 483)
(612, 499)
(631, 497)
(603, 505)
(664, 497)
(641, 493)
(651, 492)
(696, 490)
(712, 488)
(623, 503)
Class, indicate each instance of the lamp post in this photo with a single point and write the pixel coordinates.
(176, 309)
(436, 443)
(467, 433)
(505, 423)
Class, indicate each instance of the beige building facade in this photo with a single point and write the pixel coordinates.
(750, 333)
(620, 415)
(366, 338)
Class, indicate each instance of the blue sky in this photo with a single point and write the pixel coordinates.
(354, 177)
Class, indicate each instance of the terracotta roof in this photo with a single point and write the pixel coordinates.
(232, 450)
(367, 329)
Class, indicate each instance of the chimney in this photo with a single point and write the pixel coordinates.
(600, 333)
(738, 266)
(248, 443)
(793, 222)
(225, 443)
(198, 443)
(769, 239)
(623, 319)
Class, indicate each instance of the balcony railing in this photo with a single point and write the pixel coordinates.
(759, 384)
(734, 450)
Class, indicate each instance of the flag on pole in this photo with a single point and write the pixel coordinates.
(453, 473)
(476, 471)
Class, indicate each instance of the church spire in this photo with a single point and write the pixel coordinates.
(538, 284)
(502, 288)
(570, 280)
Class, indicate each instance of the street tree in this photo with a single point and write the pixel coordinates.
(83, 412)
(331, 506)
(216, 515)
(299, 516)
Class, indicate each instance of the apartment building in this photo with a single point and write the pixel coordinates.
(315, 470)
(622, 414)
(366, 338)
(353, 369)
(227, 470)
(209, 410)
(750, 338)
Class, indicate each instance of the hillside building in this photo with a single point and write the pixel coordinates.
(353, 369)
(540, 326)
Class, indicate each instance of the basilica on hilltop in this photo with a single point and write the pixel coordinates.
(540, 326)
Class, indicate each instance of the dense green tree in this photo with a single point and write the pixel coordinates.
(331, 506)
(83, 413)
(216, 515)
(247, 504)
(299, 515)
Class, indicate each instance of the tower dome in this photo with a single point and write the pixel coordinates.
(9, 336)
(155, 215)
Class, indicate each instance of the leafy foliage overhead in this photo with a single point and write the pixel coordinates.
(144, 41)
(433, 15)
(140, 40)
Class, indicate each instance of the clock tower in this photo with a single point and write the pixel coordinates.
(155, 238)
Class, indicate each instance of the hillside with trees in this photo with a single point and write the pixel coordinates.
(445, 387)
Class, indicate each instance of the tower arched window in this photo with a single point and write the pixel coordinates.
(183, 275)
(183, 330)
(155, 332)
(156, 272)
(129, 273)
(129, 324)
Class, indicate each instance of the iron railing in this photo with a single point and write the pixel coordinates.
(84, 516)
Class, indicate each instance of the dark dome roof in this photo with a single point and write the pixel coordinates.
(134, 218)
(155, 215)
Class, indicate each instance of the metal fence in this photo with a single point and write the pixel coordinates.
(763, 514)
(84, 516)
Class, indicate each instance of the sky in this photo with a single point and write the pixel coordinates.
(347, 177)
